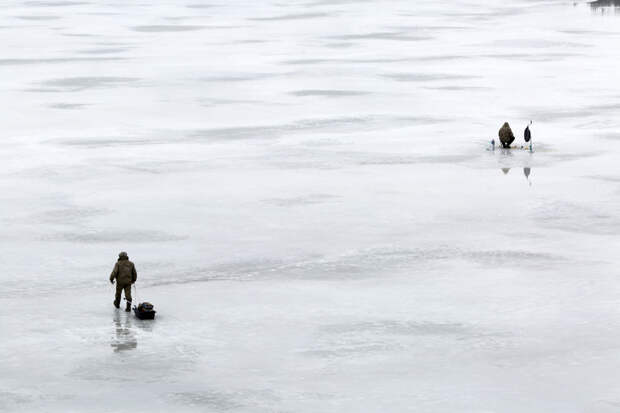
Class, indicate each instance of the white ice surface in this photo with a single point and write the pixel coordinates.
(306, 190)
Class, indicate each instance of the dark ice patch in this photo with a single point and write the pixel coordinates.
(162, 167)
(78, 34)
(312, 199)
(361, 338)
(339, 45)
(298, 16)
(250, 41)
(605, 178)
(201, 6)
(333, 125)
(13, 399)
(101, 13)
(67, 106)
(568, 113)
(209, 399)
(240, 77)
(76, 84)
(164, 28)
(427, 77)
(397, 327)
(367, 263)
(110, 50)
(67, 216)
(399, 159)
(42, 18)
(316, 61)
(334, 2)
(99, 142)
(56, 60)
(610, 135)
(216, 102)
(106, 236)
(531, 57)
(55, 3)
(440, 58)
(577, 218)
(504, 258)
(312, 61)
(532, 43)
(327, 93)
(396, 36)
(453, 88)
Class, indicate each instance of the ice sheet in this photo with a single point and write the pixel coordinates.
(307, 191)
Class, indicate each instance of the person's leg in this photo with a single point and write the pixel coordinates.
(117, 296)
(128, 297)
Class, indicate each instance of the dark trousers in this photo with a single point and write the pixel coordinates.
(119, 290)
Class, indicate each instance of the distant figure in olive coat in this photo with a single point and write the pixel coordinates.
(125, 275)
(505, 135)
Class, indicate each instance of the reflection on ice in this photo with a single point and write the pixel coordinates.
(124, 336)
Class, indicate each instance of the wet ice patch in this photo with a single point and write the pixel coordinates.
(368, 262)
(36, 18)
(201, 6)
(361, 339)
(345, 124)
(239, 77)
(579, 218)
(76, 84)
(394, 36)
(55, 3)
(14, 399)
(298, 16)
(397, 327)
(610, 135)
(327, 93)
(108, 236)
(531, 57)
(452, 88)
(427, 77)
(68, 106)
(56, 60)
(99, 141)
(68, 215)
(311, 199)
(109, 50)
(163, 28)
(209, 399)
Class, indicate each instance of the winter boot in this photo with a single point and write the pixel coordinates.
(128, 308)
(117, 305)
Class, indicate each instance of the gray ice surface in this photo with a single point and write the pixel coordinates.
(307, 192)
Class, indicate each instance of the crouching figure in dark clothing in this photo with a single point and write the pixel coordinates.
(125, 275)
(505, 135)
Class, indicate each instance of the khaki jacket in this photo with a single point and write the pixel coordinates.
(124, 272)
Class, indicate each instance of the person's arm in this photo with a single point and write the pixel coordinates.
(134, 274)
(114, 273)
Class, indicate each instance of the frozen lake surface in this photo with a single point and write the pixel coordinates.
(307, 192)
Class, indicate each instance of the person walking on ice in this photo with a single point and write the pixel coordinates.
(125, 274)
